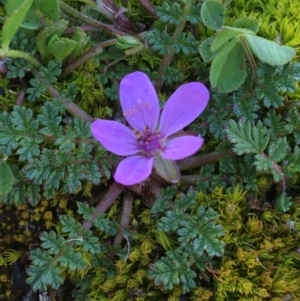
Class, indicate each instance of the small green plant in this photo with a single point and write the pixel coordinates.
(231, 46)
(204, 206)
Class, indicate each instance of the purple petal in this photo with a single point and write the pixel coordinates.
(182, 147)
(133, 170)
(183, 107)
(139, 101)
(115, 137)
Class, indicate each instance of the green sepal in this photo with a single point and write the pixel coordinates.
(60, 48)
(167, 169)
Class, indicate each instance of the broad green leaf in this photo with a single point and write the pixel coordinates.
(213, 14)
(223, 36)
(270, 52)
(13, 22)
(49, 8)
(31, 21)
(228, 69)
(240, 30)
(12, 5)
(205, 51)
(247, 23)
(6, 178)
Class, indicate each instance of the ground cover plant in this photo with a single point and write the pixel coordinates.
(149, 150)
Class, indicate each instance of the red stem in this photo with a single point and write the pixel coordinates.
(127, 209)
(106, 202)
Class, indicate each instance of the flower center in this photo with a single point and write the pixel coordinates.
(150, 143)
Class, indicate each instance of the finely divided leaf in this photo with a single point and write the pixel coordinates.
(72, 260)
(53, 243)
(173, 270)
(85, 210)
(247, 138)
(41, 277)
(70, 226)
(171, 14)
(171, 221)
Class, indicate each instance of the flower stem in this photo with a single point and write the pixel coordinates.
(17, 54)
(192, 179)
(127, 208)
(250, 58)
(90, 54)
(20, 97)
(107, 201)
(82, 17)
(149, 7)
(168, 57)
(200, 160)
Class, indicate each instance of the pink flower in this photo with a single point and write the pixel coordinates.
(151, 141)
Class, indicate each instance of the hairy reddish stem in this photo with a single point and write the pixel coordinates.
(149, 7)
(20, 97)
(101, 26)
(192, 179)
(200, 160)
(106, 202)
(90, 54)
(125, 218)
